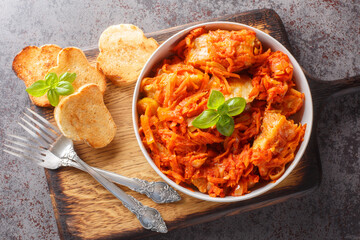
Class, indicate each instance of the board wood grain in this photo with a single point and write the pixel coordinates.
(85, 210)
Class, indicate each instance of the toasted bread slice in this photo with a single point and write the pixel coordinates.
(84, 116)
(124, 50)
(32, 64)
(73, 60)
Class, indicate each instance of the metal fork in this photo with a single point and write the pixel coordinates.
(51, 148)
(44, 133)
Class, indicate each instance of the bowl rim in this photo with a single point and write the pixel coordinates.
(308, 103)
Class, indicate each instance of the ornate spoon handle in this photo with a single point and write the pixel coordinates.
(159, 192)
(149, 217)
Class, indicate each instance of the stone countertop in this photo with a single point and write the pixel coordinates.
(325, 39)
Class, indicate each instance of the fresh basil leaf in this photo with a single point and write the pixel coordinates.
(236, 105)
(68, 77)
(38, 88)
(53, 97)
(225, 125)
(64, 88)
(52, 80)
(206, 119)
(223, 109)
(215, 100)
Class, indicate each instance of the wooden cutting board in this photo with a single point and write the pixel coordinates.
(85, 210)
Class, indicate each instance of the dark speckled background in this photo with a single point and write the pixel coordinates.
(325, 40)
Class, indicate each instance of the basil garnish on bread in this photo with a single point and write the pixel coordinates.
(53, 86)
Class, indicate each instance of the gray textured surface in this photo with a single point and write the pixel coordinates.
(325, 39)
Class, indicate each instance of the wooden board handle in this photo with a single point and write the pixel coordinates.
(321, 90)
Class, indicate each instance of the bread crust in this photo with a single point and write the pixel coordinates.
(84, 116)
(73, 60)
(32, 64)
(124, 50)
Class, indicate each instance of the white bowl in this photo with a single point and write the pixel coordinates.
(305, 115)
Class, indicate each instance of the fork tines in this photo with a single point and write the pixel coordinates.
(46, 122)
(23, 150)
(39, 128)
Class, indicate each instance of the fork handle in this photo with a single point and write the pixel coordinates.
(149, 217)
(159, 192)
(116, 178)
